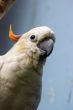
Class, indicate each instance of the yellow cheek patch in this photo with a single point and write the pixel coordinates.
(21, 45)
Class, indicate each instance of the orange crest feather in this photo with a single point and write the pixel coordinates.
(12, 36)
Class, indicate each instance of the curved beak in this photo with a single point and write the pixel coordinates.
(46, 47)
(12, 36)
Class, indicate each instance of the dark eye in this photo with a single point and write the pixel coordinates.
(33, 38)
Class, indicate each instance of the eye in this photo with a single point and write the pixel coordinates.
(33, 38)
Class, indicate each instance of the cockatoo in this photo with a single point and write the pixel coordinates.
(21, 69)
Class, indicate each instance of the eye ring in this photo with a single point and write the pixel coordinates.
(33, 38)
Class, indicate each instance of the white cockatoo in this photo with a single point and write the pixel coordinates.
(21, 69)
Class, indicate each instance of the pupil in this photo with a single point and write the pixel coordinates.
(32, 37)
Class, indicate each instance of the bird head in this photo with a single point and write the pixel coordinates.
(37, 43)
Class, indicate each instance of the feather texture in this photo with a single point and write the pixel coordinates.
(21, 71)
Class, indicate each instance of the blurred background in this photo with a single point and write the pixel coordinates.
(57, 91)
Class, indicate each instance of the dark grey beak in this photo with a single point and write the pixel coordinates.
(46, 47)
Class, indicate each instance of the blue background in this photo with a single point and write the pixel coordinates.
(57, 91)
